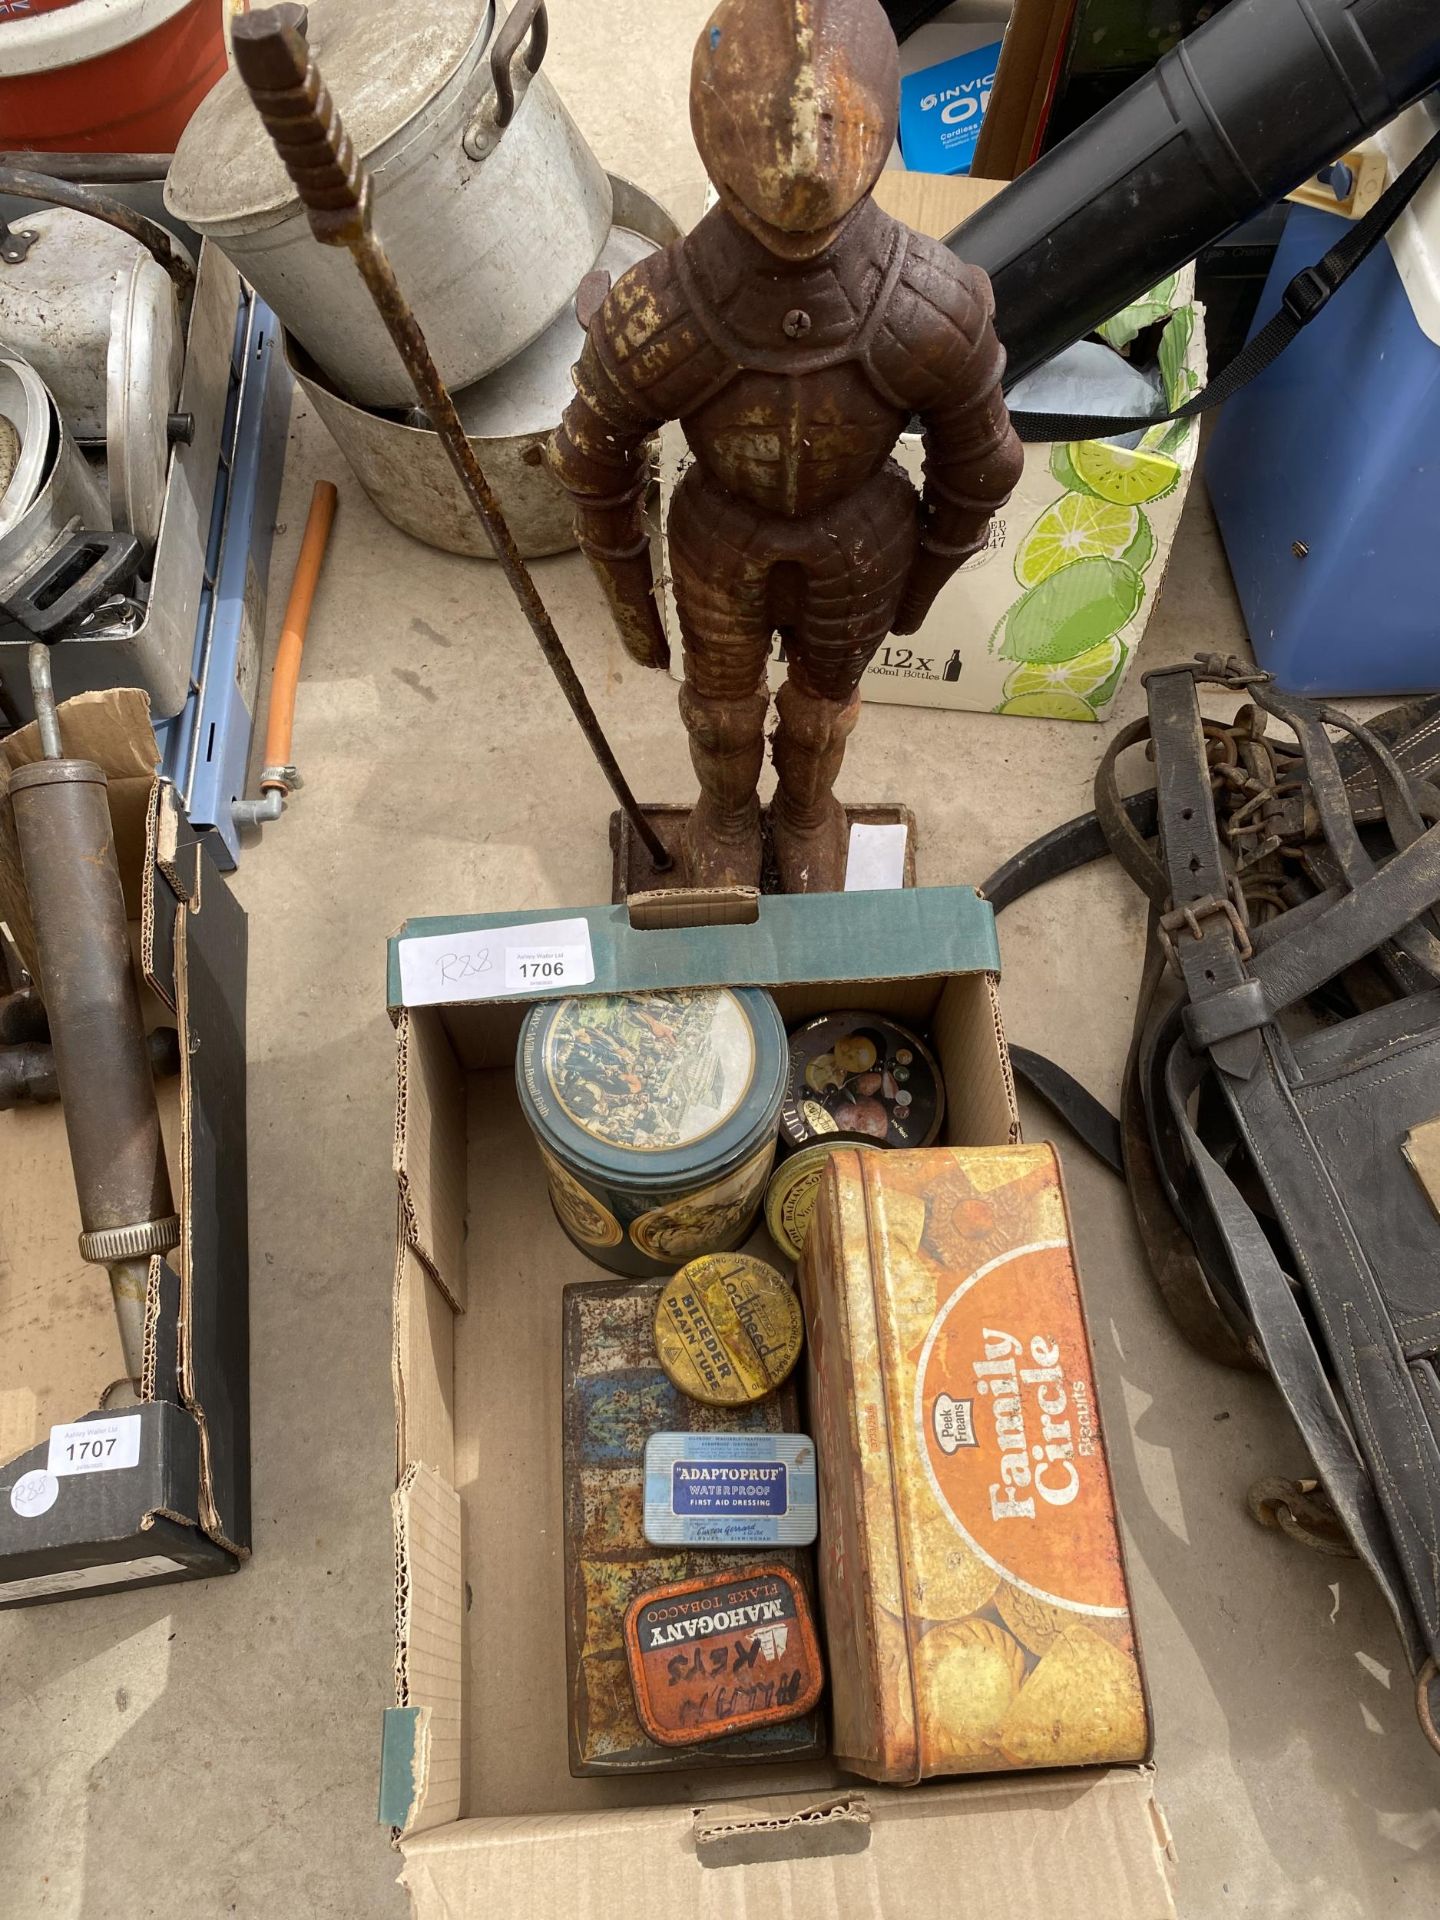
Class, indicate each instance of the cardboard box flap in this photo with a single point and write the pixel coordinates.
(171, 882)
(968, 1036)
(1025, 76)
(160, 1377)
(111, 727)
(904, 934)
(738, 1837)
(430, 1153)
(429, 1584)
(1050, 1847)
(933, 203)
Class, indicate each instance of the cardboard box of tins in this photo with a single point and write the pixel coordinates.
(475, 1756)
(971, 1573)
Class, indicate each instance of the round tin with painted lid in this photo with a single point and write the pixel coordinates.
(795, 1183)
(728, 1329)
(861, 1077)
(656, 1116)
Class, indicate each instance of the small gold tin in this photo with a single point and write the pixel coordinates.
(728, 1329)
(790, 1196)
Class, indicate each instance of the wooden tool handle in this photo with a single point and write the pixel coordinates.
(277, 66)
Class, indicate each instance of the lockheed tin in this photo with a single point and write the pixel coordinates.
(711, 1657)
(656, 1117)
(790, 1196)
(615, 1396)
(971, 1572)
(730, 1490)
(861, 1077)
(728, 1329)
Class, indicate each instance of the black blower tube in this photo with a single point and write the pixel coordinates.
(1237, 115)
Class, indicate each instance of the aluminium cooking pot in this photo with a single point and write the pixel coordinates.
(487, 200)
(402, 464)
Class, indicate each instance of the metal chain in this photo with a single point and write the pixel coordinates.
(1299, 1509)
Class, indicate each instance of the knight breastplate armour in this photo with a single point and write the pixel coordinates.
(792, 444)
(798, 419)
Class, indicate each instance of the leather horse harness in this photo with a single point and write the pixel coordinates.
(1280, 1131)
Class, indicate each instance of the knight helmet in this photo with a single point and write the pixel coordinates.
(794, 105)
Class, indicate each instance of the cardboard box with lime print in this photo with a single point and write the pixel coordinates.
(1045, 622)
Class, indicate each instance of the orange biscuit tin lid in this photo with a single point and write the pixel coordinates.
(713, 1656)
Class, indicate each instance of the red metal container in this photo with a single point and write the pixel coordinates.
(107, 76)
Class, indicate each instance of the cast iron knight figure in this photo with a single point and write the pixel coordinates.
(793, 334)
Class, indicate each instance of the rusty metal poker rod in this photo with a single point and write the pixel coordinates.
(276, 65)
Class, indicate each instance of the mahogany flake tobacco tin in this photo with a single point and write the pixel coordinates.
(656, 1118)
(728, 1329)
(714, 1656)
(861, 1077)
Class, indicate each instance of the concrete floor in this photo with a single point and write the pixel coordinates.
(212, 1749)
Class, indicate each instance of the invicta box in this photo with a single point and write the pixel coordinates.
(971, 1573)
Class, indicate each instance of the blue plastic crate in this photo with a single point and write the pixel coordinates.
(1325, 477)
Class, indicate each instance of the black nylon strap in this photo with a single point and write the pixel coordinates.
(1307, 294)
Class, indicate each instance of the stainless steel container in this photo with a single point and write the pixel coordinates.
(489, 203)
(160, 654)
(55, 302)
(508, 416)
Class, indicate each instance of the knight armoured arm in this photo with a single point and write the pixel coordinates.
(972, 455)
(600, 454)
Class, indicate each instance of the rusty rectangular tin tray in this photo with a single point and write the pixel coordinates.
(615, 1396)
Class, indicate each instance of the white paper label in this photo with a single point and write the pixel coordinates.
(495, 963)
(34, 1493)
(542, 967)
(95, 1446)
(115, 1573)
(877, 858)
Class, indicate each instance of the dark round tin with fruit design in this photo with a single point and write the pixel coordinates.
(656, 1118)
(861, 1077)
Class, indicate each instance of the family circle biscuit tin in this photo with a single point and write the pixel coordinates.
(861, 1077)
(656, 1117)
(971, 1569)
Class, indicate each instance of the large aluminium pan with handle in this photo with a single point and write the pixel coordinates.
(488, 201)
(402, 464)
